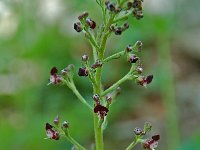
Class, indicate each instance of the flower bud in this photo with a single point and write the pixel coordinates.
(97, 64)
(137, 131)
(149, 79)
(132, 58)
(129, 5)
(139, 45)
(139, 69)
(109, 99)
(83, 15)
(96, 97)
(126, 26)
(85, 58)
(110, 6)
(65, 125)
(83, 71)
(112, 27)
(129, 48)
(56, 120)
(78, 27)
(118, 31)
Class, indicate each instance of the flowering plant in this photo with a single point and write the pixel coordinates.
(112, 13)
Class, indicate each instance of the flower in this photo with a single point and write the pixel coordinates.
(91, 23)
(77, 27)
(141, 80)
(101, 110)
(54, 78)
(51, 132)
(83, 71)
(151, 144)
(133, 58)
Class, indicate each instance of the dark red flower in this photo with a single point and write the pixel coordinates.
(156, 137)
(149, 79)
(83, 71)
(141, 80)
(133, 58)
(53, 71)
(151, 144)
(78, 27)
(54, 78)
(51, 132)
(91, 23)
(101, 110)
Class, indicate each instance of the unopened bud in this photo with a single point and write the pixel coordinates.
(137, 131)
(56, 120)
(126, 26)
(78, 27)
(118, 31)
(85, 58)
(139, 45)
(65, 125)
(129, 48)
(96, 97)
(83, 15)
(109, 99)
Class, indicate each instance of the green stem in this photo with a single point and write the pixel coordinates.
(91, 38)
(132, 145)
(124, 17)
(114, 56)
(74, 142)
(128, 76)
(72, 86)
(114, 86)
(98, 133)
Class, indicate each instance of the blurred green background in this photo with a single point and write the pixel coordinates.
(37, 35)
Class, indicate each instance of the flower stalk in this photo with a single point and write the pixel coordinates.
(111, 15)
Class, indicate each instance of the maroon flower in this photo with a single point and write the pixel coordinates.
(141, 80)
(129, 48)
(51, 132)
(54, 78)
(78, 27)
(83, 71)
(91, 23)
(118, 30)
(156, 137)
(151, 144)
(97, 64)
(101, 110)
(133, 58)
(83, 15)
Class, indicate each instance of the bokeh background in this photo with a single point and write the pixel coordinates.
(36, 35)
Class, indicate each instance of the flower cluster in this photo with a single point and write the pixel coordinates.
(113, 14)
(54, 132)
(84, 23)
(149, 144)
(137, 8)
